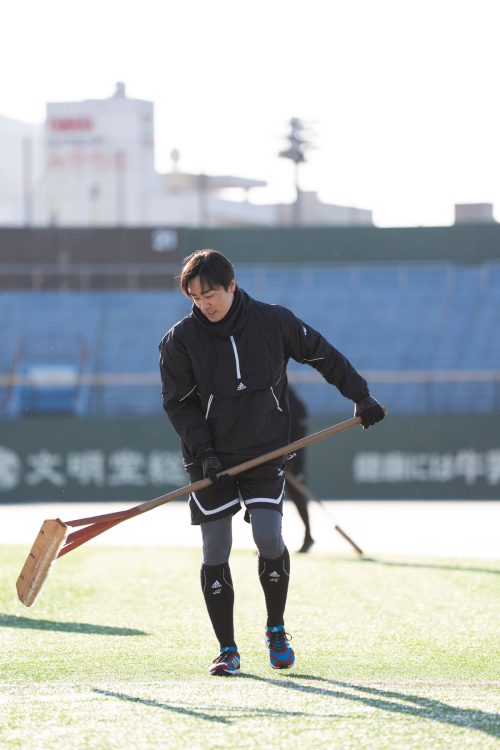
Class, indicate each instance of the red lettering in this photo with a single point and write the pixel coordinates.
(65, 124)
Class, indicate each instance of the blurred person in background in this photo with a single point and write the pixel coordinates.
(225, 390)
(299, 426)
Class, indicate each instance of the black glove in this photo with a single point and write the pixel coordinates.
(369, 411)
(211, 466)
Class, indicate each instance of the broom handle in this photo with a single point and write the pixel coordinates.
(233, 471)
(307, 494)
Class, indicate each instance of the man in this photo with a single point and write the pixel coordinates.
(297, 465)
(224, 387)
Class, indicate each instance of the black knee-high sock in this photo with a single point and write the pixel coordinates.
(217, 587)
(274, 576)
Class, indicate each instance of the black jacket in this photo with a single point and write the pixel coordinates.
(299, 426)
(224, 384)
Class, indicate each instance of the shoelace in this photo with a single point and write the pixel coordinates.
(278, 641)
(225, 656)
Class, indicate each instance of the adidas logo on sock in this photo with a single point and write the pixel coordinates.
(241, 387)
(216, 587)
(274, 577)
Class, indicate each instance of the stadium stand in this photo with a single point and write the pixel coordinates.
(394, 321)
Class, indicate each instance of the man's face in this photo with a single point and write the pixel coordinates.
(213, 303)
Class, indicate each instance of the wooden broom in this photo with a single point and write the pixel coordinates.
(54, 540)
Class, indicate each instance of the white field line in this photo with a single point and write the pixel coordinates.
(430, 528)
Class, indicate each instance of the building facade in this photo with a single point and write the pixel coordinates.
(95, 167)
(99, 161)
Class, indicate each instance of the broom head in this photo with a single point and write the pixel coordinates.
(39, 561)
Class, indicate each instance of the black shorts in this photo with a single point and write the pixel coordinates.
(262, 487)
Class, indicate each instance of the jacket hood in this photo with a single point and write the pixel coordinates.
(232, 322)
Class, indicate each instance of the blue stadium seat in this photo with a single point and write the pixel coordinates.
(384, 317)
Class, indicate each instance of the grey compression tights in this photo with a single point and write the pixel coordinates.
(266, 530)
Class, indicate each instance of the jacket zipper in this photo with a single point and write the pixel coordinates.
(236, 358)
(277, 402)
(238, 375)
(209, 404)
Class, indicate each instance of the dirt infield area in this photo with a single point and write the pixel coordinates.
(449, 529)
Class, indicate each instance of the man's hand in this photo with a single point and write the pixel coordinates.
(369, 411)
(211, 466)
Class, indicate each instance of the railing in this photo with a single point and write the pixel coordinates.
(87, 276)
(307, 376)
(405, 391)
(409, 376)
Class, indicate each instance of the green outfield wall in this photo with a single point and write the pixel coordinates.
(464, 243)
(414, 458)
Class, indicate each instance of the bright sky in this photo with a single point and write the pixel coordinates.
(403, 94)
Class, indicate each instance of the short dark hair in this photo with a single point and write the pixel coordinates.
(212, 267)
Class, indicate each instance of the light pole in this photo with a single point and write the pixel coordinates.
(27, 181)
(297, 146)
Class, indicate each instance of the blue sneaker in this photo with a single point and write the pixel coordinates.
(281, 654)
(227, 663)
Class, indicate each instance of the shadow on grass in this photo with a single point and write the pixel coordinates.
(264, 712)
(164, 706)
(12, 621)
(385, 700)
(432, 566)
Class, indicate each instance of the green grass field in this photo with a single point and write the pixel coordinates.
(392, 653)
